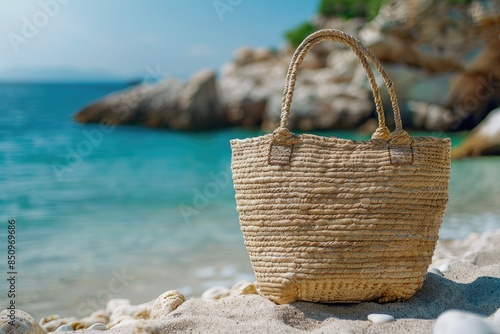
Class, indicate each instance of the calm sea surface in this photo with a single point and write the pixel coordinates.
(131, 212)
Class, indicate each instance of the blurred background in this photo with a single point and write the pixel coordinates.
(116, 116)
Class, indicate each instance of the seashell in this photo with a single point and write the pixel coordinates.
(76, 325)
(245, 288)
(237, 285)
(166, 303)
(143, 311)
(49, 318)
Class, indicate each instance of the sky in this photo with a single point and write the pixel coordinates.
(133, 39)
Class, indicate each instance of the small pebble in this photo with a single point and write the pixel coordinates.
(123, 310)
(100, 314)
(23, 323)
(119, 319)
(54, 324)
(126, 322)
(458, 322)
(470, 257)
(91, 319)
(217, 292)
(64, 328)
(114, 303)
(99, 327)
(496, 316)
(445, 267)
(436, 271)
(380, 318)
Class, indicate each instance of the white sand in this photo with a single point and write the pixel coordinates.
(471, 283)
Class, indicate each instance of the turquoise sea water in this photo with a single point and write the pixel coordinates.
(131, 212)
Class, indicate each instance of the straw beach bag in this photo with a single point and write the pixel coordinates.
(333, 220)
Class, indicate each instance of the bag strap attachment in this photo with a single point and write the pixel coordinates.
(399, 142)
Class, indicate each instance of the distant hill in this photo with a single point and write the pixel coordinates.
(58, 75)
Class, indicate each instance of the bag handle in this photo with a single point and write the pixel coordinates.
(282, 136)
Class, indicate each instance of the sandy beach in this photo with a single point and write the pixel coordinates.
(464, 276)
(158, 159)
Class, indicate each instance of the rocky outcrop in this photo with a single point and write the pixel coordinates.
(443, 56)
(169, 104)
(447, 56)
(323, 99)
(483, 140)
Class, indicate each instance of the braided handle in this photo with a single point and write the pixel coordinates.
(284, 136)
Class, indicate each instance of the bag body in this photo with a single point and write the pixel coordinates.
(334, 220)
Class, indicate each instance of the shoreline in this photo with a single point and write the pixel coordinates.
(465, 275)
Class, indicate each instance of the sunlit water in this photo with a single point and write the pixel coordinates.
(141, 211)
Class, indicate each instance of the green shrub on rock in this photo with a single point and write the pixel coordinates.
(348, 9)
(297, 35)
(345, 9)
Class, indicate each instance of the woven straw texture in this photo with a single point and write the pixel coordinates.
(333, 220)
